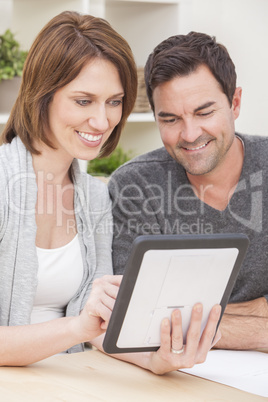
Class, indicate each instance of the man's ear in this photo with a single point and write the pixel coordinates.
(236, 104)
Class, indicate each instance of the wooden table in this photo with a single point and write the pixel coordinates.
(93, 376)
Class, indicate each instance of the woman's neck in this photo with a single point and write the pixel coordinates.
(51, 167)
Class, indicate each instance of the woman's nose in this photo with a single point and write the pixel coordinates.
(98, 119)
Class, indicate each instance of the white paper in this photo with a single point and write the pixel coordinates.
(245, 370)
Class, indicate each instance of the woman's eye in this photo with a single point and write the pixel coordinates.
(116, 102)
(83, 102)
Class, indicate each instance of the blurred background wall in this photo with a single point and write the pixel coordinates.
(241, 25)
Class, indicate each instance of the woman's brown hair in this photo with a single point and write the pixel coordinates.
(60, 51)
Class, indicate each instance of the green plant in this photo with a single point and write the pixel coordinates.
(105, 166)
(12, 57)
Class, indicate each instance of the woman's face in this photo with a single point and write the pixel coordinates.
(83, 114)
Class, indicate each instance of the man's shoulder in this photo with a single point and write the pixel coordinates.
(155, 156)
(257, 140)
(150, 160)
(256, 148)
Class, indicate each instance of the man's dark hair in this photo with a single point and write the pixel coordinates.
(181, 55)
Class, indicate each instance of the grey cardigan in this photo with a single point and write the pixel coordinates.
(18, 258)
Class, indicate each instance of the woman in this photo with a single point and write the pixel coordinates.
(78, 88)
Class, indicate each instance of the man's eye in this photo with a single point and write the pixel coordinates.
(206, 114)
(169, 121)
(83, 102)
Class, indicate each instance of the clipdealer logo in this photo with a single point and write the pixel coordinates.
(256, 214)
(141, 204)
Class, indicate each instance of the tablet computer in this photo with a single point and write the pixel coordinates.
(167, 272)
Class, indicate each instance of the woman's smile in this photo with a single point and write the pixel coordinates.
(90, 140)
(84, 113)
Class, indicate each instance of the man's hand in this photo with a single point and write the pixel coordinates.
(257, 308)
(196, 348)
(245, 325)
(194, 351)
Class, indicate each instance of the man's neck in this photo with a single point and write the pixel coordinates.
(217, 187)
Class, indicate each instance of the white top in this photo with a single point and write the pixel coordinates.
(60, 274)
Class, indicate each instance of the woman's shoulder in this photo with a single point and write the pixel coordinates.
(9, 160)
(96, 191)
(13, 153)
(94, 182)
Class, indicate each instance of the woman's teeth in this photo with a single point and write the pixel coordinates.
(90, 137)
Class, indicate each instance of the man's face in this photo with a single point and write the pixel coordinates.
(195, 120)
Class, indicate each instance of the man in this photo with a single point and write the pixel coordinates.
(206, 179)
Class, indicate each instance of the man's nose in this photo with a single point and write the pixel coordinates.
(190, 131)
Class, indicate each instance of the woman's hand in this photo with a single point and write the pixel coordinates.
(94, 318)
(26, 344)
(196, 348)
